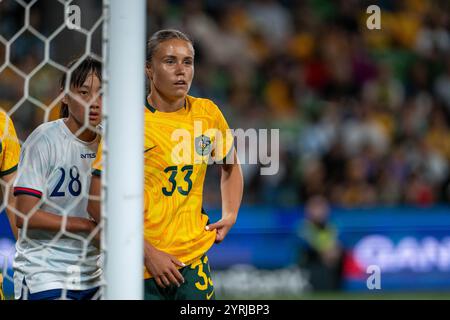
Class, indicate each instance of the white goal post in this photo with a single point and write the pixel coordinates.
(124, 84)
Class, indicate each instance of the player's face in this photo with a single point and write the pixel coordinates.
(86, 98)
(172, 68)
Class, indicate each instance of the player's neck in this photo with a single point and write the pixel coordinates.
(163, 104)
(85, 135)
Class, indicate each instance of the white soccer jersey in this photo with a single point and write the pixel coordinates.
(56, 166)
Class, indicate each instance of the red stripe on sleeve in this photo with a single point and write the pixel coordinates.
(22, 190)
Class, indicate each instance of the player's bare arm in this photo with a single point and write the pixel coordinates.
(9, 195)
(231, 185)
(94, 204)
(28, 206)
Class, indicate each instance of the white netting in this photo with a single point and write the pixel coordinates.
(37, 40)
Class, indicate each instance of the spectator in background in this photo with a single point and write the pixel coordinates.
(319, 250)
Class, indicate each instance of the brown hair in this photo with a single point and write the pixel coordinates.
(78, 77)
(161, 36)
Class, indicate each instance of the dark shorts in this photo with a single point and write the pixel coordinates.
(197, 284)
(56, 294)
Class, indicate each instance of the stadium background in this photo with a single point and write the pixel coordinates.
(363, 118)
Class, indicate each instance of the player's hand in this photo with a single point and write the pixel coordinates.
(222, 226)
(163, 267)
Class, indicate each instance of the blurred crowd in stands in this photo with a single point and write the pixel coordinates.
(363, 114)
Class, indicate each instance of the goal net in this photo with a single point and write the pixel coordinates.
(38, 39)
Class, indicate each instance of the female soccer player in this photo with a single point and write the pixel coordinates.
(53, 258)
(9, 158)
(177, 232)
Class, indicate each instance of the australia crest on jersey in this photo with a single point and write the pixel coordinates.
(203, 145)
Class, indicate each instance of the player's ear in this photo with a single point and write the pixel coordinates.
(64, 98)
(149, 71)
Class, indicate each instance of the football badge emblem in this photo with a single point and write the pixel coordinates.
(203, 145)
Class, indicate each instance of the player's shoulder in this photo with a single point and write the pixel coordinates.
(203, 105)
(4, 119)
(47, 128)
(45, 132)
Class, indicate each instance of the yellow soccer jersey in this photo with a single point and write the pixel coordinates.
(9, 146)
(9, 157)
(97, 164)
(177, 148)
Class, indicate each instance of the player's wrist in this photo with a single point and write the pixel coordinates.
(148, 250)
(230, 218)
(76, 224)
